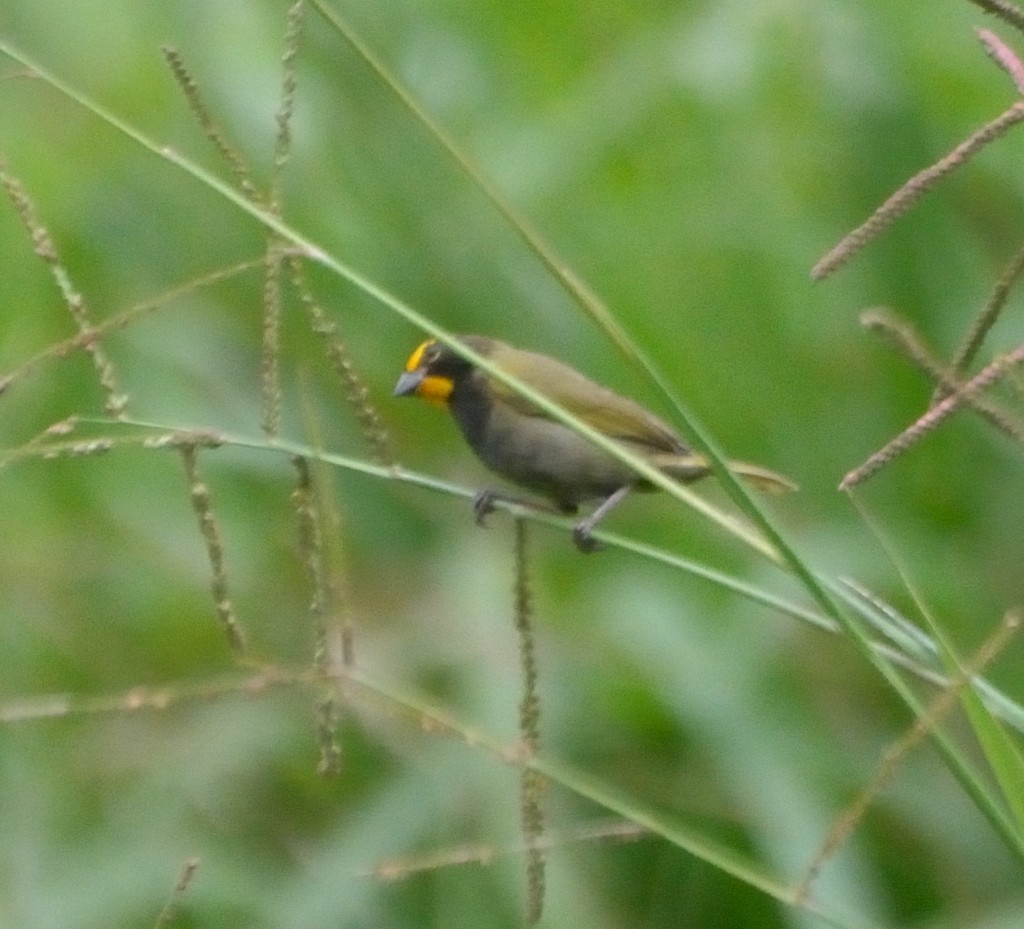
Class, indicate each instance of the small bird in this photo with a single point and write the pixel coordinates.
(515, 438)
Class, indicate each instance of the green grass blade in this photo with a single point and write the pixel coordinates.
(1003, 755)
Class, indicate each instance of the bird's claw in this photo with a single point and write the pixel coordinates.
(585, 542)
(483, 505)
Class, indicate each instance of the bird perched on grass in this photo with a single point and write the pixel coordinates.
(524, 444)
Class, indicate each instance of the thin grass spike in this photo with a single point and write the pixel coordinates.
(286, 107)
(327, 711)
(397, 869)
(121, 321)
(931, 419)
(1006, 11)
(209, 529)
(115, 402)
(270, 354)
(532, 783)
(909, 343)
(190, 88)
(357, 394)
(984, 321)
(1004, 56)
(912, 191)
(170, 911)
(939, 708)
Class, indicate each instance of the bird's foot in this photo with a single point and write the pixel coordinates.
(581, 531)
(585, 542)
(483, 506)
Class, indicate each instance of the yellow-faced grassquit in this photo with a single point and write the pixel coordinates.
(521, 442)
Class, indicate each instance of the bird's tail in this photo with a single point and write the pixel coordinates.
(687, 468)
(762, 478)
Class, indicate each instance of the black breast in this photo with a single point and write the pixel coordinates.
(470, 407)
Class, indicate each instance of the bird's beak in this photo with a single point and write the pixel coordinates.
(409, 383)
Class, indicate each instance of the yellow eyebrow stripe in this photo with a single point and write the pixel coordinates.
(417, 355)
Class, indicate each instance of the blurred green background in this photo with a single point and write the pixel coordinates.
(691, 161)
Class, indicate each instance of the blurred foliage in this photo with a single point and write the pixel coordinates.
(691, 160)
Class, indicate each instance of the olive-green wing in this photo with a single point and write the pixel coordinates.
(604, 410)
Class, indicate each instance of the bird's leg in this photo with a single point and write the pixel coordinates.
(483, 504)
(581, 531)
